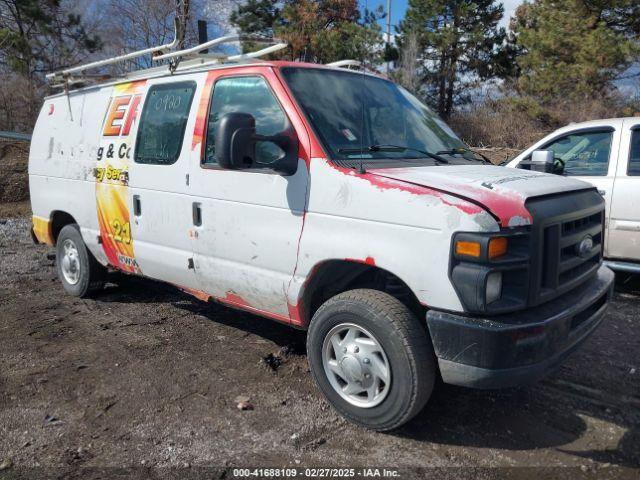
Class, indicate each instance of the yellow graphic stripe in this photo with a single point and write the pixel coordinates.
(42, 230)
(115, 229)
(112, 197)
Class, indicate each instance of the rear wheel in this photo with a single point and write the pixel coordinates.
(79, 272)
(371, 358)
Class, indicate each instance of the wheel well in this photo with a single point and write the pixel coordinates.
(59, 220)
(337, 276)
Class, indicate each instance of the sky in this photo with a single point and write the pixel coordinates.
(399, 7)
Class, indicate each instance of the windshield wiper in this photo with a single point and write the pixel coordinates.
(462, 151)
(394, 148)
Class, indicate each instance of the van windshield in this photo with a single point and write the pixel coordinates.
(361, 117)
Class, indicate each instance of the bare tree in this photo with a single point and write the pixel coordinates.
(182, 20)
(79, 31)
(137, 24)
(37, 38)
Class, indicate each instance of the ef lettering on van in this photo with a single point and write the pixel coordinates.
(123, 107)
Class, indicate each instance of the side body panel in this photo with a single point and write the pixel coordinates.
(624, 222)
(161, 229)
(402, 228)
(246, 247)
(62, 159)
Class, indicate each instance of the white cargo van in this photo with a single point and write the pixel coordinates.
(330, 200)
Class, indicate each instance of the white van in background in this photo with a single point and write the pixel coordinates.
(605, 153)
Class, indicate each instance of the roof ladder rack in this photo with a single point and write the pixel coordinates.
(194, 52)
(346, 64)
(67, 76)
(77, 75)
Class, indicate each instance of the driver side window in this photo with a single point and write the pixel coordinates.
(582, 154)
(247, 95)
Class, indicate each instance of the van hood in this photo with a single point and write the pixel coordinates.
(502, 191)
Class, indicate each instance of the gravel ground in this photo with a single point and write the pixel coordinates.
(144, 376)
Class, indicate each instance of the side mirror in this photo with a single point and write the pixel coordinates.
(542, 157)
(235, 148)
(541, 161)
(236, 141)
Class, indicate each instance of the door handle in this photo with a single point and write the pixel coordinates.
(137, 206)
(196, 212)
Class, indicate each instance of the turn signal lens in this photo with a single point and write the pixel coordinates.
(497, 247)
(472, 249)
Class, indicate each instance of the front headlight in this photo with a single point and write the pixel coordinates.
(494, 287)
(490, 270)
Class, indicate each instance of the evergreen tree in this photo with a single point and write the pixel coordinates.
(623, 16)
(256, 17)
(572, 48)
(316, 30)
(459, 44)
(36, 37)
(41, 36)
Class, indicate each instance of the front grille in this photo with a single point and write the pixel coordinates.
(566, 237)
(564, 226)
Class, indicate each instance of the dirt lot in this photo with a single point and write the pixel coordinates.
(143, 375)
(14, 182)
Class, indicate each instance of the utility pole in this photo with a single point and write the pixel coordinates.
(388, 30)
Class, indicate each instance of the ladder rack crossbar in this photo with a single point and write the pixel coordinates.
(110, 61)
(345, 63)
(218, 41)
(258, 53)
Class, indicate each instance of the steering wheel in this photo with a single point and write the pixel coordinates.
(558, 165)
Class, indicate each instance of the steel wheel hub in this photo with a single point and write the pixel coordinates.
(356, 365)
(70, 262)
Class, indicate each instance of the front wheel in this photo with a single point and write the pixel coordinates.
(371, 358)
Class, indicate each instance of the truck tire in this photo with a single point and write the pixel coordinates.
(79, 272)
(371, 358)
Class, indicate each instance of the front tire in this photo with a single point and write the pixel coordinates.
(371, 358)
(79, 272)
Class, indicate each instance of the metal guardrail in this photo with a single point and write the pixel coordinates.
(25, 137)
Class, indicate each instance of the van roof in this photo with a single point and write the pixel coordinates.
(201, 65)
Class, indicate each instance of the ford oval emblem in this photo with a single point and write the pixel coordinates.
(585, 246)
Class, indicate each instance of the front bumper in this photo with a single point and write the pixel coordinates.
(522, 347)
